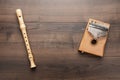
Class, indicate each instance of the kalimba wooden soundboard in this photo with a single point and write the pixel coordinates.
(95, 37)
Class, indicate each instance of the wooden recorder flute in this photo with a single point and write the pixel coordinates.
(25, 37)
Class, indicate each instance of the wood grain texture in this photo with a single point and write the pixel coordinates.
(55, 28)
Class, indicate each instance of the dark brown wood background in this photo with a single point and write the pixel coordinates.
(55, 28)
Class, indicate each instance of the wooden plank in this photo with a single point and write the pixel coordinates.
(110, 18)
(61, 11)
(64, 69)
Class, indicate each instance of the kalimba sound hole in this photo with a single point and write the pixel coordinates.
(93, 41)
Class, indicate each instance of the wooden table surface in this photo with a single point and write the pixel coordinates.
(55, 28)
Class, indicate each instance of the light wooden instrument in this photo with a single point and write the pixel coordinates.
(95, 43)
(25, 37)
